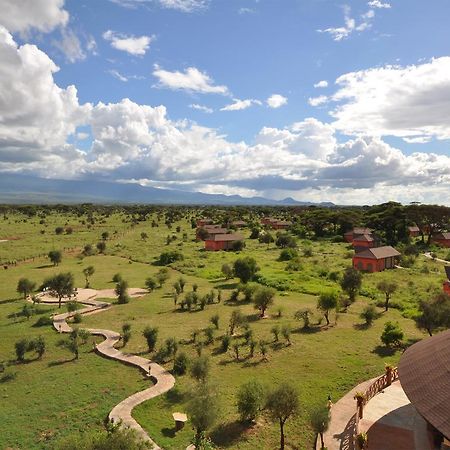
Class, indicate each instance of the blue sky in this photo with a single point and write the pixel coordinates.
(374, 127)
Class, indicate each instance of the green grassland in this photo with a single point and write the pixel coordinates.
(55, 397)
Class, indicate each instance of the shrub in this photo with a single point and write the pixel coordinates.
(117, 278)
(151, 336)
(170, 257)
(392, 334)
(43, 321)
(369, 314)
(77, 318)
(21, 348)
(225, 342)
(237, 246)
(287, 254)
(200, 368)
(251, 399)
(180, 364)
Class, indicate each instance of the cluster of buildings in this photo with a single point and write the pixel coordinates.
(217, 237)
(276, 224)
(369, 255)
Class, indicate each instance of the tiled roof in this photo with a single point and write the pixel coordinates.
(378, 253)
(424, 372)
(225, 237)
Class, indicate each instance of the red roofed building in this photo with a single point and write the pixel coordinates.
(376, 259)
(276, 224)
(442, 239)
(202, 222)
(218, 242)
(414, 231)
(363, 241)
(357, 231)
(211, 230)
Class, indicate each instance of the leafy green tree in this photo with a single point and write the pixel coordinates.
(387, 288)
(151, 284)
(182, 283)
(266, 238)
(287, 254)
(351, 282)
(170, 257)
(101, 246)
(319, 418)
(200, 368)
(286, 332)
(327, 301)
(245, 268)
(126, 333)
(55, 257)
(25, 287)
(88, 272)
(203, 411)
(151, 336)
(180, 364)
(121, 291)
(285, 240)
(434, 314)
(251, 398)
(237, 319)
(392, 334)
(61, 285)
(369, 314)
(21, 348)
(283, 403)
(227, 271)
(215, 320)
(263, 298)
(304, 315)
(162, 276)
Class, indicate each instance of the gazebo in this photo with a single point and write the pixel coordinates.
(424, 372)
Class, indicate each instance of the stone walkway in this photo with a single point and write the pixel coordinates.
(162, 379)
(339, 435)
(428, 255)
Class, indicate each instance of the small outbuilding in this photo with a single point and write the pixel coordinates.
(376, 259)
(349, 236)
(363, 241)
(442, 239)
(218, 242)
(413, 231)
(207, 231)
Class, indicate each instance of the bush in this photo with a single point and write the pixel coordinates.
(21, 348)
(77, 318)
(392, 334)
(287, 254)
(369, 314)
(294, 265)
(200, 368)
(225, 343)
(43, 321)
(117, 278)
(170, 257)
(180, 364)
(251, 399)
(237, 246)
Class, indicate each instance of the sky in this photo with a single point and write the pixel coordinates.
(318, 100)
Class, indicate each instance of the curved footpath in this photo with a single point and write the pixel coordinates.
(163, 380)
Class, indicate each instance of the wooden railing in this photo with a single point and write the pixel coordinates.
(362, 398)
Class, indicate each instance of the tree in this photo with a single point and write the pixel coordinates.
(320, 421)
(369, 314)
(61, 285)
(251, 399)
(88, 272)
(215, 320)
(434, 313)
(245, 268)
(392, 334)
(237, 319)
(304, 315)
(180, 364)
(121, 291)
(266, 238)
(25, 287)
(327, 301)
(286, 332)
(283, 403)
(71, 344)
(387, 288)
(203, 411)
(351, 282)
(263, 298)
(151, 284)
(55, 257)
(200, 369)
(182, 283)
(38, 345)
(287, 254)
(170, 257)
(126, 333)
(144, 236)
(101, 246)
(59, 230)
(227, 271)
(237, 246)
(21, 348)
(162, 276)
(105, 235)
(285, 240)
(151, 336)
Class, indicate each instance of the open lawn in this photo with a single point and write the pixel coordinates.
(54, 397)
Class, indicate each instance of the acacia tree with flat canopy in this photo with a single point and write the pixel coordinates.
(60, 285)
(387, 288)
(283, 403)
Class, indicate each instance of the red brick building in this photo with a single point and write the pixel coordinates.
(442, 239)
(276, 224)
(218, 242)
(202, 222)
(414, 231)
(376, 259)
(363, 241)
(211, 230)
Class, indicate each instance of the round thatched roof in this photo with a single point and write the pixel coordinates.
(424, 372)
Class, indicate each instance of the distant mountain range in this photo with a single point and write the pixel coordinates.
(26, 189)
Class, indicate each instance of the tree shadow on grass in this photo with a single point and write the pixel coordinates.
(45, 266)
(227, 286)
(228, 434)
(309, 330)
(361, 326)
(10, 300)
(254, 362)
(175, 396)
(60, 362)
(383, 351)
(168, 432)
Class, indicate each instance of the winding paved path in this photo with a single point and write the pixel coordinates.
(163, 380)
(428, 255)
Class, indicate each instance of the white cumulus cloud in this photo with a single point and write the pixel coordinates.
(321, 84)
(276, 101)
(135, 45)
(238, 105)
(379, 4)
(191, 80)
(203, 108)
